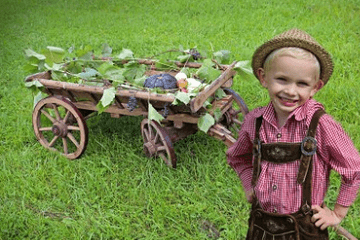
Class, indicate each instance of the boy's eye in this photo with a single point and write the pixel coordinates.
(303, 84)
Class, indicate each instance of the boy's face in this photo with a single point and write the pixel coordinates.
(290, 83)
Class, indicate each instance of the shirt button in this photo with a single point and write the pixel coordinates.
(274, 187)
(278, 135)
(275, 210)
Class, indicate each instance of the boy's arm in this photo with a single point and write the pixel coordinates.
(239, 157)
(338, 151)
(325, 217)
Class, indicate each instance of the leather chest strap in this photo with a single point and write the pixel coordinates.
(257, 152)
(308, 147)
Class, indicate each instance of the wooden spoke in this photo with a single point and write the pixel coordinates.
(161, 148)
(43, 129)
(67, 115)
(156, 138)
(53, 141)
(48, 115)
(65, 145)
(146, 135)
(236, 121)
(73, 139)
(74, 128)
(57, 114)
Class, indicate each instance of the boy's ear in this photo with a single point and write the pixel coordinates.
(317, 87)
(320, 84)
(261, 75)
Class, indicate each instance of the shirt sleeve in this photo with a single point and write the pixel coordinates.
(239, 155)
(342, 156)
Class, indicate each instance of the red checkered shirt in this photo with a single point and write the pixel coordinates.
(277, 189)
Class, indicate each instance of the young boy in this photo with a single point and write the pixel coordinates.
(285, 151)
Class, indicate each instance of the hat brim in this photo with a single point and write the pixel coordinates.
(324, 58)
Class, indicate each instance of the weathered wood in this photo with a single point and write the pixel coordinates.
(178, 134)
(88, 105)
(345, 233)
(197, 102)
(220, 132)
(183, 118)
(63, 126)
(223, 104)
(118, 102)
(51, 84)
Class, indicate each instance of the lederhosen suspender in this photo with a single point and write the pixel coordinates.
(287, 152)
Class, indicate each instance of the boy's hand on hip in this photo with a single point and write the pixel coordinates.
(324, 217)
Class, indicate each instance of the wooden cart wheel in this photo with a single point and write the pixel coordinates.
(157, 142)
(234, 116)
(59, 126)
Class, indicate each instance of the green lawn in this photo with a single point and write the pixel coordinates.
(113, 191)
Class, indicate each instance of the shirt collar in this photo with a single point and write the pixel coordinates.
(299, 114)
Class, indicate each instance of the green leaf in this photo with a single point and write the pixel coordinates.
(153, 114)
(74, 67)
(183, 97)
(53, 55)
(217, 114)
(84, 53)
(222, 56)
(34, 85)
(139, 81)
(57, 50)
(134, 70)
(30, 53)
(184, 58)
(38, 97)
(164, 64)
(125, 54)
(54, 67)
(106, 99)
(219, 93)
(205, 122)
(207, 72)
(111, 72)
(31, 68)
(243, 67)
(60, 76)
(106, 51)
(89, 74)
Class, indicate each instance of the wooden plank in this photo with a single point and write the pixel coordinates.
(88, 105)
(197, 102)
(182, 118)
(99, 90)
(223, 104)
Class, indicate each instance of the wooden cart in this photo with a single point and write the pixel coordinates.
(59, 120)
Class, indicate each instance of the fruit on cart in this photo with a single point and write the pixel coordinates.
(162, 80)
(182, 83)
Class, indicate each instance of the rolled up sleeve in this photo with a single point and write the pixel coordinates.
(344, 158)
(239, 155)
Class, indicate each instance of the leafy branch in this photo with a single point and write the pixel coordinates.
(125, 71)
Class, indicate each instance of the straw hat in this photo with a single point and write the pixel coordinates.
(294, 38)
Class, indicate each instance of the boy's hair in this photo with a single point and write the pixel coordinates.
(295, 52)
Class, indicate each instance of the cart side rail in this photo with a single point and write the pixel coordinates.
(58, 85)
(197, 102)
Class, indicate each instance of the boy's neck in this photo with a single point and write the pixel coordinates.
(281, 119)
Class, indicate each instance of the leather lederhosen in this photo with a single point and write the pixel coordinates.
(296, 226)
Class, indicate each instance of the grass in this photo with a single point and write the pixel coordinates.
(113, 191)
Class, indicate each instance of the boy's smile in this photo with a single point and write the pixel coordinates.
(290, 83)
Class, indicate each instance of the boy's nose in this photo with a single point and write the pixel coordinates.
(290, 89)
